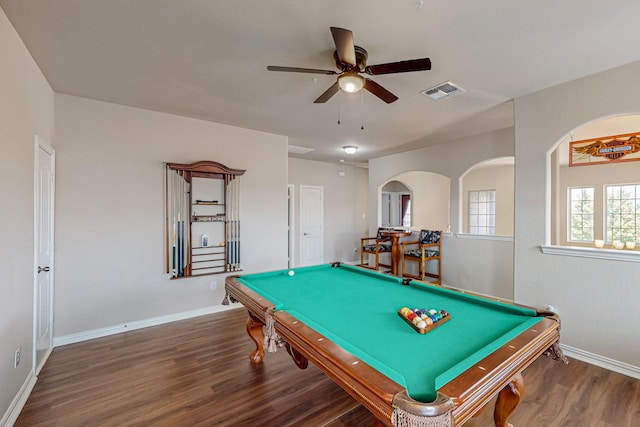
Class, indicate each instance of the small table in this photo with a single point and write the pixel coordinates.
(395, 235)
(344, 319)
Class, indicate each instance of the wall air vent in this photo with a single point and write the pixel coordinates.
(443, 91)
(299, 150)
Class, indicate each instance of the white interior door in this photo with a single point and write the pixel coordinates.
(43, 253)
(311, 225)
(291, 253)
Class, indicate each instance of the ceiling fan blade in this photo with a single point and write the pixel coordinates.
(421, 64)
(333, 89)
(300, 70)
(343, 40)
(379, 91)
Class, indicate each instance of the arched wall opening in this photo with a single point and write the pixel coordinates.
(430, 199)
(494, 176)
(578, 214)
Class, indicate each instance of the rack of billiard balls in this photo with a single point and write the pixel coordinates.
(423, 320)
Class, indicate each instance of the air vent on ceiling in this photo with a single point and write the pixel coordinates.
(443, 90)
(299, 150)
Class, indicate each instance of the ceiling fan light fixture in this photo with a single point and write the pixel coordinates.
(350, 149)
(351, 83)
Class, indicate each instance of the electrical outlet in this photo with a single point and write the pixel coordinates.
(16, 358)
(213, 285)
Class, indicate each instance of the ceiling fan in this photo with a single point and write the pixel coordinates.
(351, 60)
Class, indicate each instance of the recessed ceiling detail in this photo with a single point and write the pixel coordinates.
(294, 149)
(443, 91)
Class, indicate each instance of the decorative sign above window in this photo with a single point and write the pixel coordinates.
(609, 149)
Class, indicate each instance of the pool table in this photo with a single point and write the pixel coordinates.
(345, 320)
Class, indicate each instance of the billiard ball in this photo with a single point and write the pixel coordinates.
(291, 272)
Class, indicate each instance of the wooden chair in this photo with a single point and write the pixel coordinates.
(426, 249)
(375, 246)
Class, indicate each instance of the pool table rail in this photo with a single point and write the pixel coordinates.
(500, 372)
(367, 385)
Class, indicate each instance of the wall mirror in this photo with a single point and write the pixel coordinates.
(202, 205)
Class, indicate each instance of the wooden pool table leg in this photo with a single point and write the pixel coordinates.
(298, 358)
(254, 329)
(508, 398)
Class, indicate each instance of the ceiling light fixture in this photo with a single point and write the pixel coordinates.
(351, 82)
(350, 149)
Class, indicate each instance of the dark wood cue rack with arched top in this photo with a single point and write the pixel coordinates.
(202, 218)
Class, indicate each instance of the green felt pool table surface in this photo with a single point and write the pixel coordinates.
(357, 309)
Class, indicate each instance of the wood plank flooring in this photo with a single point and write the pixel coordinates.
(197, 372)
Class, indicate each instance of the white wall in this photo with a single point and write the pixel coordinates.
(110, 256)
(577, 287)
(479, 265)
(483, 265)
(345, 206)
(26, 109)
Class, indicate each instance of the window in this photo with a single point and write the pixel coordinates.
(406, 210)
(581, 214)
(482, 212)
(622, 213)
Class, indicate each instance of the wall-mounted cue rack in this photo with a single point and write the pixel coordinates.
(202, 218)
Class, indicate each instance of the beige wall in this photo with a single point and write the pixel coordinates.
(345, 206)
(110, 221)
(577, 287)
(26, 109)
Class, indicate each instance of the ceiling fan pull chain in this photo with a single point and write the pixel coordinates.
(361, 110)
(338, 106)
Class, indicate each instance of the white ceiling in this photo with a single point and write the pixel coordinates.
(207, 59)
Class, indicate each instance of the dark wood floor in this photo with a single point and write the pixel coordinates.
(197, 373)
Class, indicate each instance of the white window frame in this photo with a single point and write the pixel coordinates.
(489, 228)
(605, 220)
(570, 216)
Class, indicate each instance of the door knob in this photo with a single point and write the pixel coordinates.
(41, 269)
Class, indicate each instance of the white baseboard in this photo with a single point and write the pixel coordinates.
(18, 402)
(139, 324)
(601, 361)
